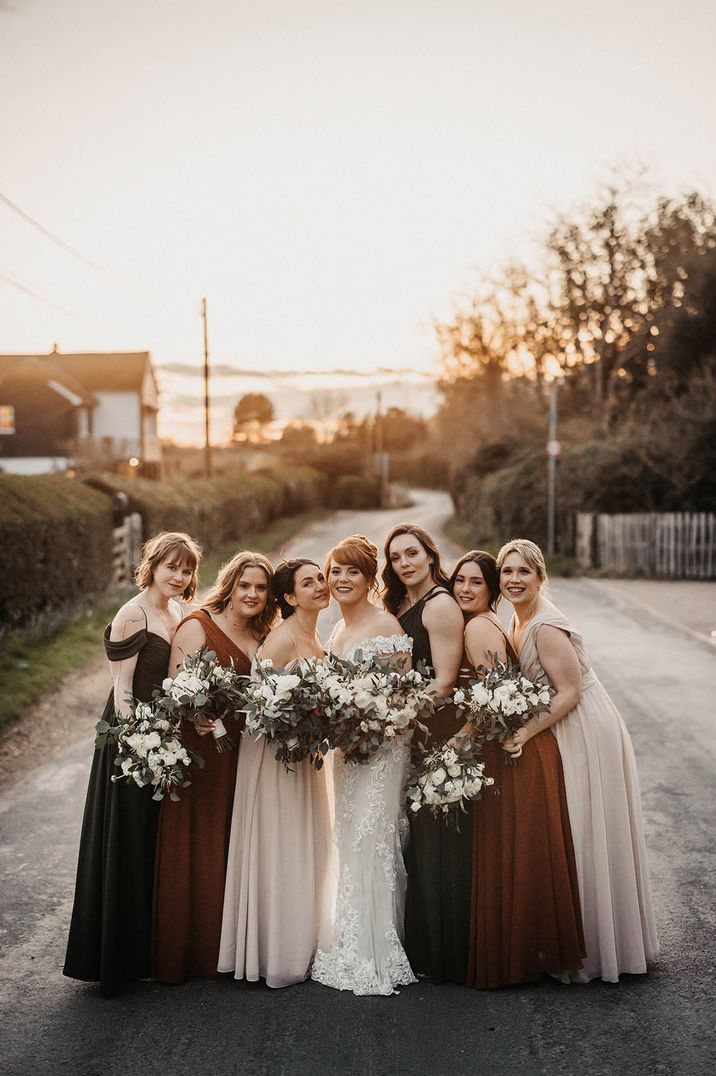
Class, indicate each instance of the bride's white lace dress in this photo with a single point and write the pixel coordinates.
(361, 948)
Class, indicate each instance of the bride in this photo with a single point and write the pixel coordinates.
(361, 948)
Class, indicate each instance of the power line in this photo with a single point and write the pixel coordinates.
(36, 295)
(52, 237)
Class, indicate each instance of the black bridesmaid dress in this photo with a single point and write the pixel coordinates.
(110, 931)
(438, 858)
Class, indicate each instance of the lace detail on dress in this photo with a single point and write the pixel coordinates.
(364, 952)
(382, 644)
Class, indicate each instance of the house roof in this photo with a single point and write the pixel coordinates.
(121, 371)
(40, 368)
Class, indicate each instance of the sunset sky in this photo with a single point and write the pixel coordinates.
(327, 173)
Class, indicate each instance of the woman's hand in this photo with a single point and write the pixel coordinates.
(204, 726)
(513, 746)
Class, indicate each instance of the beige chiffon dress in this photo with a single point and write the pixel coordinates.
(604, 803)
(278, 855)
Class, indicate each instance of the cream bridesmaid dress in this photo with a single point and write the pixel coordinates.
(278, 855)
(604, 804)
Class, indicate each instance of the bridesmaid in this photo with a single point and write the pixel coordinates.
(526, 917)
(109, 940)
(280, 828)
(599, 773)
(193, 838)
(438, 859)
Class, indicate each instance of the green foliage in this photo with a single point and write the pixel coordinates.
(56, 540)
(428, 469)
(220, 510)
(353, 491)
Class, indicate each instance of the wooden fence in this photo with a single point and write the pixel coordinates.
(663, 545)
(126, 549)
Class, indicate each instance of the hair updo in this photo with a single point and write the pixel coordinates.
(284, 582)
(358, 552)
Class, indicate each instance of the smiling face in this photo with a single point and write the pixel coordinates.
(410, 561)
(310, 589)
(519, 581)
(471, 590)
(250, 594)
(173, 575)
(348, 584)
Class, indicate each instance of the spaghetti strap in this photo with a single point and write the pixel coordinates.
(509, 646)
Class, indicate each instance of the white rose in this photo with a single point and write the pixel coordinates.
(453, 771)
(545, 697)
(459, 696)
(480, 694)
(285, 684)
(438, 776)
(415, 805)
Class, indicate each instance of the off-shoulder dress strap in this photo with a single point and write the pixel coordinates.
(121, 649)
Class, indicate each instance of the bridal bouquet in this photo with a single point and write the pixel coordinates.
(285, 708)
(203, 689)
(502, 700)
(369, 704)
(149, 751)
(449, 778)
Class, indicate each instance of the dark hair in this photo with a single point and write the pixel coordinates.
(490, 573)
(357, 551)
(284, 582)
(394, 590)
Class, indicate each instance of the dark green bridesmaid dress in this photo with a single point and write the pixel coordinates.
(110, 931)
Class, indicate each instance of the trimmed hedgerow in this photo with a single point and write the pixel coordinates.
(56, 541)
(219, 510)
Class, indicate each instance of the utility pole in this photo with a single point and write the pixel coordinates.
(207, 437)
(553, 451)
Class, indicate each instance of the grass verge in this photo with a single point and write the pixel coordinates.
(35, 660)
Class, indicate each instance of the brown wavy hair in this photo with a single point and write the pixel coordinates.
(490, 573)
(229, 575)
(358, 552)
(161, 546)
(394, 590)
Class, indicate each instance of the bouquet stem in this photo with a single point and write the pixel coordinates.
(222, 740)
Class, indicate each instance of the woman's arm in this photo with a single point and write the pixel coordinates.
(128, 621)
(445, 626)
(483, 639)
(559, 660)
(278, 647)
(189, 638)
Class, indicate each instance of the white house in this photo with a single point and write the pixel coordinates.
(58, 407)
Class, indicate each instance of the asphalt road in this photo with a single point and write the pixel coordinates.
(663, 679)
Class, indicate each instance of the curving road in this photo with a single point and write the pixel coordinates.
(664, 680)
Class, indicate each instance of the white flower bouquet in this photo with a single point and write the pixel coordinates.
(203, 690)
(149, 751)
(501, 700)
(285, 708)
(370, 703)
(448, 779)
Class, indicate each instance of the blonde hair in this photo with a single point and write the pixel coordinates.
(161, 546)
(529, 551)
(229, 575)
(358, 552)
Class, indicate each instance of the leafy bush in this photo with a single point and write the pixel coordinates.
(56, 540)
(351, 491)
(220, 510)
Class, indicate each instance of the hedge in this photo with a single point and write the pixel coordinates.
(56, 532)
(219, 510)
(56, 541)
